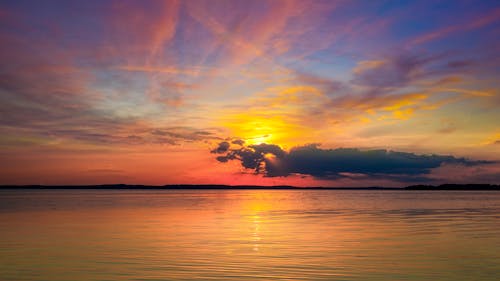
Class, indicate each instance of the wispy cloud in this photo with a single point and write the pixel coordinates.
(157, 69)
(472, 23)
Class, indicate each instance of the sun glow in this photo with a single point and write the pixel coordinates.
(265, 128)
(259, 139)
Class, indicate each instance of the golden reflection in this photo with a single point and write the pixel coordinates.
(256, 232)
(217, 235)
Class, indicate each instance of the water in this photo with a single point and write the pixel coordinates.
(249, 235)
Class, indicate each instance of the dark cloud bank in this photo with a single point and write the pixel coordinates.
(272, 161)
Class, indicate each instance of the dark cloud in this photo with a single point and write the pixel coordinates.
(222, 147)
(272, 161)
(238, 142)
(252, 156)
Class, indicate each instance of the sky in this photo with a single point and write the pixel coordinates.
(304, 93)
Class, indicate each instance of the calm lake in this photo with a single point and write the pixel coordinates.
(249, 235)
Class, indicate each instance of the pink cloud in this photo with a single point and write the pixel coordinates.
(456, 173)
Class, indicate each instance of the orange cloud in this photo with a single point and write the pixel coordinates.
(365, 65)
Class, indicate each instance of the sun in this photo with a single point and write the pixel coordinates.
(259, 139)
(256, 127)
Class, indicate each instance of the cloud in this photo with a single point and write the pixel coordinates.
(39, 89)
(113, 133)
(447, 129)
(467, 25)
(147, 29)
(363, 66)
(184, 133)
(272, 161)
(252, 156)
(264, 30)
(328, 86)
(395, 87)
(194, 71)
(222, 147)
(401, 70)
(395, 71)
(89, 89)
(460, 173)
(241, 142)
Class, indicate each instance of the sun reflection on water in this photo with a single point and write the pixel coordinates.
(256, 232)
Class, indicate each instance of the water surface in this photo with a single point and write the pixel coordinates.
(249, 235)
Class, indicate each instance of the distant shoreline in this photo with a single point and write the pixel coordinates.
(252, 187)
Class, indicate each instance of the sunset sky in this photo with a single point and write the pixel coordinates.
(305, 93)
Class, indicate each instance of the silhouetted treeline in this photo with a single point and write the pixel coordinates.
(177, 186)
(135, 186)
(278, 187)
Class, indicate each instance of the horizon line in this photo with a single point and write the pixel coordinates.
(447, 186)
